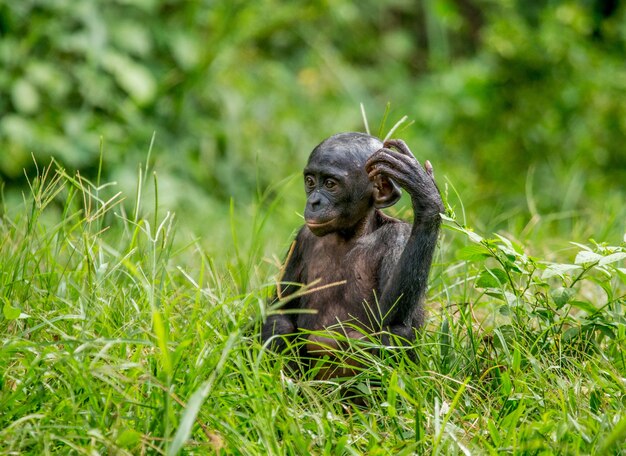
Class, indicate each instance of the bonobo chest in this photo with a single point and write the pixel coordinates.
(346, 279)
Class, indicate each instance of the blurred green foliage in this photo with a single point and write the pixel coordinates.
(522, 106)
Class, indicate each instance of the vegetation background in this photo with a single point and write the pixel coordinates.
(520, 106)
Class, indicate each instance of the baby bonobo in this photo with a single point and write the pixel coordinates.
(381, 263)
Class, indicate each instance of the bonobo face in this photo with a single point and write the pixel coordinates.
(339, 193)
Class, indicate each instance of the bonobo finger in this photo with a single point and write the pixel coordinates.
(376, 156)
(399, 145)
(382, 168)
(388, 171)
(399, 159)
(385, 156)
(429, 168)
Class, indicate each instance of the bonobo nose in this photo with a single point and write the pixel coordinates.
(315, 200)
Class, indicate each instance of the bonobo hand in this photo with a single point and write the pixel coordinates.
(401, 166)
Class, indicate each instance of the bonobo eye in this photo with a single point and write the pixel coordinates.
(330, 184)
(309, 182)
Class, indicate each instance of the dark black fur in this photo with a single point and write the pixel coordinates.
(384, 262)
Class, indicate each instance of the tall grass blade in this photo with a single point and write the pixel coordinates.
(197, 399)
(364, 116)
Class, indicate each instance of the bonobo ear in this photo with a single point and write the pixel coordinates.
(386, 192)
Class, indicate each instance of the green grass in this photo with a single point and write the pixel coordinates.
(119, 338)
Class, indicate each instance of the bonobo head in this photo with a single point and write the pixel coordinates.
(339, 193)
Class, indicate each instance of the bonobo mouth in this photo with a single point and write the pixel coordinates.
(315, 225)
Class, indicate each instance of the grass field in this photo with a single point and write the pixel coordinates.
(118, 337)
(130, 302)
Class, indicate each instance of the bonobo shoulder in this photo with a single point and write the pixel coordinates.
(392, 227)
(392, 233)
